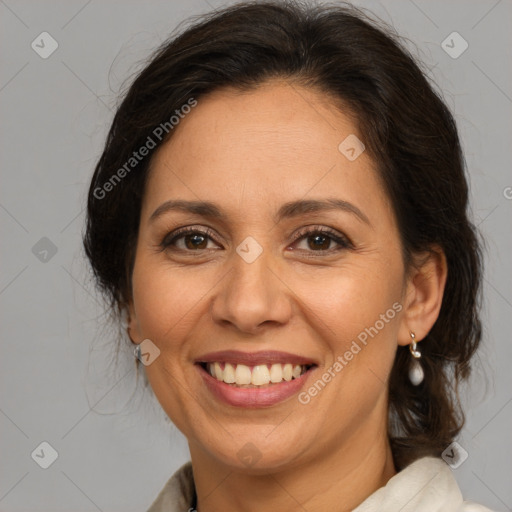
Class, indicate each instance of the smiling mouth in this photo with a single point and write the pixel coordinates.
(257, 376)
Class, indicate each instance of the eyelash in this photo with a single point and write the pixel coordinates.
(342, 241)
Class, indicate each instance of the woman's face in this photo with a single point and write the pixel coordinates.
(295, 259)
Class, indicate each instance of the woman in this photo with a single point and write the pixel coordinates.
(281, 212)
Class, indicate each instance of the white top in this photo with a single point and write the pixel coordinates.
(426, 485)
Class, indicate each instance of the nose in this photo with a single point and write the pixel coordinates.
(251, 296)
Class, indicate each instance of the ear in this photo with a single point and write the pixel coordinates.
(423, 295)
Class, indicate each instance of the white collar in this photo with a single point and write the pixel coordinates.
(426, 485)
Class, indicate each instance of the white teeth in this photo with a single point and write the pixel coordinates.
(229, 373)
(276, 373)
(218, 371)
(259, 375)
(287, 372)
(242, 374)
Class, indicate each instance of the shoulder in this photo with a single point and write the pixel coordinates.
(470, 506)
(177, 494)
(426, 485)
(445, 483)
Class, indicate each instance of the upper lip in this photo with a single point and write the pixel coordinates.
(254, 358)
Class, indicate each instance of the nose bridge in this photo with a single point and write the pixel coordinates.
(251, 293)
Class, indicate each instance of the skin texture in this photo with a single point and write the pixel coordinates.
(249, 153)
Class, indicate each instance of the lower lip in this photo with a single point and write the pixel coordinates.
(253, 397)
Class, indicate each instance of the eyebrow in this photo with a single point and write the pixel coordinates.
(287, 210)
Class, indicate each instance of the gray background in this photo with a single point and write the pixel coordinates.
(59, 379)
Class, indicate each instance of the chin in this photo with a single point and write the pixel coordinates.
(257, 453)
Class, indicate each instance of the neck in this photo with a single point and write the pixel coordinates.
(337, 480)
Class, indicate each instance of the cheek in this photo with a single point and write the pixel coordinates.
(356, 312)
(351, 298)
(165, 300)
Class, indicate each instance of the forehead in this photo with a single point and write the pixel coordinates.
(276, 143)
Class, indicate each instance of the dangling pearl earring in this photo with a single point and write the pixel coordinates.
(416, 373)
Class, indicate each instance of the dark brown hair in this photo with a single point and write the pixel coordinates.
(407, 128)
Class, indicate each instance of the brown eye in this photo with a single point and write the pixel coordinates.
(316, 242)
(322, 240)
(188, 239)
(196, 241)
